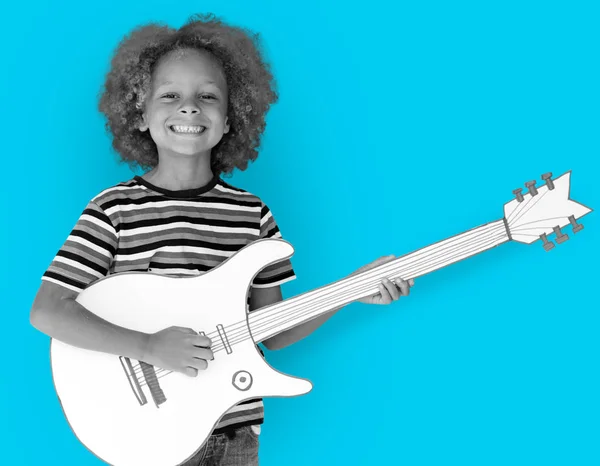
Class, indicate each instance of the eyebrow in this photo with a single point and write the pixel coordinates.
(171, 82)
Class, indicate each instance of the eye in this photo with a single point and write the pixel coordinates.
(172, 95)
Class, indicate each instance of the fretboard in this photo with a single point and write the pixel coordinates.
(271, 320)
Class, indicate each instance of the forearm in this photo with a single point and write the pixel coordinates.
(68, 321)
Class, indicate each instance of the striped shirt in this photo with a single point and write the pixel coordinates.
(137, 226)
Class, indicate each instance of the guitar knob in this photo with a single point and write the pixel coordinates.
(576, 226)
(531, 186)
(547, 244)
(547, 177)
(517, 192)
(560, 236)
(242, 380)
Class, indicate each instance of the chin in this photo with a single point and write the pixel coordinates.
(192, 151)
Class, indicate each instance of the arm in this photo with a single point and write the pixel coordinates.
(261, 297)
(56, 313)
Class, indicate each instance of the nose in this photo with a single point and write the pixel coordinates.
(189, 108)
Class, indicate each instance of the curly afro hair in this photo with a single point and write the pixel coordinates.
(251, 88)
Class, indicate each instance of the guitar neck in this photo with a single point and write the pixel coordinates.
(276, 318)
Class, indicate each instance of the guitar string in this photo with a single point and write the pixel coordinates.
(515, 215)
(389, 269)
(461, 237)
(535, 200)
(509, 217)
(531, 230)
(526, 234)
(392, 266)
(247, 335)
(398, 269)
(518, 209)
(538, 221)
(522, 208)
(242, 324)
(234, 341)
(352, 294)
(410, 260)
(417, 267)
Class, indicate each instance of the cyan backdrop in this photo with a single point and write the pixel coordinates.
(399, 124)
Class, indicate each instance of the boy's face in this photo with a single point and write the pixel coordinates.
(187, 105)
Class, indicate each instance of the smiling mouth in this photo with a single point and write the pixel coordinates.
(185, 129)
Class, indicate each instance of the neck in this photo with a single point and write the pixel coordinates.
(271, 320)
(179, 173)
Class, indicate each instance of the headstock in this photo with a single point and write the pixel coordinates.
(543, 210)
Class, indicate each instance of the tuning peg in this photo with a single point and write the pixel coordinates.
(531, 186)
(517, 192)
(547, 244)
(547, 177)
(576, 226)
(560, 237)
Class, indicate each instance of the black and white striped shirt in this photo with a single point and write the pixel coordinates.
(137, 226)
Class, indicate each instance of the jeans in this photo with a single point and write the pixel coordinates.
(239, 449)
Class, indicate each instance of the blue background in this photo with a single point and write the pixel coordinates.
(399, 124)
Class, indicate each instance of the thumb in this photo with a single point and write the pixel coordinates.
(374, 264)
(381, 260)
(384, 258)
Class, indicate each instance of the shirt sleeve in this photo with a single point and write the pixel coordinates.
(280, 272)
(88, 252)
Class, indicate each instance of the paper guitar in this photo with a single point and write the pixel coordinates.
(129, 413)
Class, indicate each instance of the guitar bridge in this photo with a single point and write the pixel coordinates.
(133, 380)
(146, 375)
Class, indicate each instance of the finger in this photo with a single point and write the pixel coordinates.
(203, 353)
(385, 295)
(411, 282)
(404, 287)
(190, 371)
(203, 341)
(199, 364)
(391, 288)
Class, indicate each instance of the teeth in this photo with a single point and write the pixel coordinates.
(187, 129)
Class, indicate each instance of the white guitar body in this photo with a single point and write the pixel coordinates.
(98, 397)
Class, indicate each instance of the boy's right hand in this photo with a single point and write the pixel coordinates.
(178, 349)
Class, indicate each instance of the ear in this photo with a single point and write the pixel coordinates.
(144, 124)
(226, 128)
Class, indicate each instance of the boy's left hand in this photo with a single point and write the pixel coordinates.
(388, 291)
